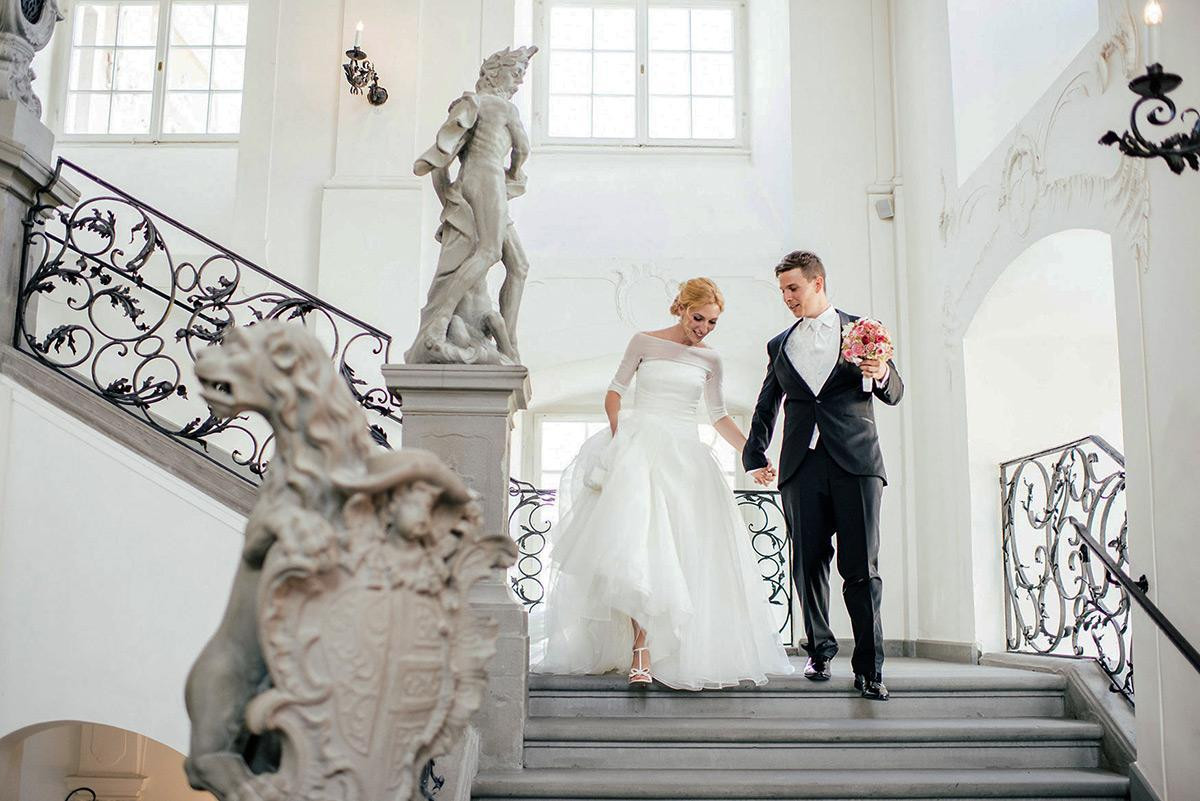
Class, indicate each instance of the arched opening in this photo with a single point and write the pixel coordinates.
(49, 760)
(1041, 370)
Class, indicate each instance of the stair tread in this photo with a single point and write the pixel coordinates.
(601, 728)
(741, 783)
(987, 680)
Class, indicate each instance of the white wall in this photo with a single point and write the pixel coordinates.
(1041, 369)
(1046, 176)
(120, 573)
(1002, 57)
(1164, 504)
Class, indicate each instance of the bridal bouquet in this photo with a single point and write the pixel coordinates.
(866, 339)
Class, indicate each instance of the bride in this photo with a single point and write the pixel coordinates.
(651, 564)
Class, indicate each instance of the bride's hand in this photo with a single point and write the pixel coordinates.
(764, 475)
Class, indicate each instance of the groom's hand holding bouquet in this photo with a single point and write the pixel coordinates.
(866, 343)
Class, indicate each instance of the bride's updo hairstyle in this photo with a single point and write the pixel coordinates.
(696, 292)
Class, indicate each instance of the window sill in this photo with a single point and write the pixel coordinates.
(117, 141)
(648, 150)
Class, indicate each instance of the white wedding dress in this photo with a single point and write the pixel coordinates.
(649, 530)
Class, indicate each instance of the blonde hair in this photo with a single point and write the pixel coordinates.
(696, 292)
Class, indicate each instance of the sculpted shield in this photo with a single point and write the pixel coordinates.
(348, 656)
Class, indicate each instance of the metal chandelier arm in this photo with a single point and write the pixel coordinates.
(1179, 150)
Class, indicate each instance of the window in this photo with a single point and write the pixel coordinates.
(561, 440)
(561, 437)
(639, 72)
(150, 69)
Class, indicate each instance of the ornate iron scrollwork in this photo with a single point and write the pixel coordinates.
(529, 522)
(1059, 599)
(772, 547)
(105, 301)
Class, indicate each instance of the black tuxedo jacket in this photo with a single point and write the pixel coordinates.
(843, 412)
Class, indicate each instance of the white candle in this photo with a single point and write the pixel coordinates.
(358, 29)
(1153, 17)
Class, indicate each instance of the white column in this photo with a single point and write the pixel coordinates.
(1164, 506)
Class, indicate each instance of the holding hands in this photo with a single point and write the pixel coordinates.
(764, 475)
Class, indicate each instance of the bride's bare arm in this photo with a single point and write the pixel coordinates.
(730, 432)
(612, 407)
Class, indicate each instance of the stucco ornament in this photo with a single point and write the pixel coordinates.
(483, 132)
(25, 28)
(348, 655)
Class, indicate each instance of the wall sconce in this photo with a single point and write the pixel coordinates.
(1179, 150)
(360, 72)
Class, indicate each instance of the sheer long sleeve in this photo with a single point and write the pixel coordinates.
(629, 364)
(714, 394)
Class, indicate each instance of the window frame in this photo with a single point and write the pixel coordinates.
(641, 142)
(62, 88)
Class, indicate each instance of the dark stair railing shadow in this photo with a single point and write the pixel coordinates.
(1065, 540)
(119, 297)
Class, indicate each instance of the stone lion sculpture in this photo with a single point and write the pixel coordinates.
(347, 656)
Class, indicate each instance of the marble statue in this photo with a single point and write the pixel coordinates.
(460, 324)
(348, 655)
(25, 28)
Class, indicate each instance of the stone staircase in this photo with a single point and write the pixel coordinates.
(950, 732)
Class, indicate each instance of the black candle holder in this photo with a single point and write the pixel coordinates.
(1179, 150)
(360, 74)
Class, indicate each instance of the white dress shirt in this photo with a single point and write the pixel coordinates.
(813, 350)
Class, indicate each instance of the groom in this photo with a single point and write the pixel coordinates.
(831, 475)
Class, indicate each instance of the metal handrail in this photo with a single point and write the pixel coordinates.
(1054, 599)
(65, 162)
(133, 321)
(1138, 589)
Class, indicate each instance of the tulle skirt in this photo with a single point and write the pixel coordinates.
(649, 531)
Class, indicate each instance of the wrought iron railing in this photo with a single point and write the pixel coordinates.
(532, 515)
(1066, 557)
(119, 297)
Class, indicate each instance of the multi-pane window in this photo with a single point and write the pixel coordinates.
(641, 72)
(147, 68)
(691, 73)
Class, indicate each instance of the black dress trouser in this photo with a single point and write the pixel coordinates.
(821, 501)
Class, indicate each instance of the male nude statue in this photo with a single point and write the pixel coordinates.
(459, 324)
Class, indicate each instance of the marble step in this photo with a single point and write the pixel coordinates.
(967, 692)
(767, 743)
(568, 784)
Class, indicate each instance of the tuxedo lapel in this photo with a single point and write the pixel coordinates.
(783, 362)
(841, 362)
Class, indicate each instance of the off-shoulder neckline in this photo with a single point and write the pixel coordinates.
(673, 342)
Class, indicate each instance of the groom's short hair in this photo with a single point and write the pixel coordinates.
(807, 262)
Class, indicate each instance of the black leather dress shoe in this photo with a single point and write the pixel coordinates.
(871, 690)
(817, 670)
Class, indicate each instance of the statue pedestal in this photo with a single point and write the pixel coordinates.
(26, 147)
(463, 413)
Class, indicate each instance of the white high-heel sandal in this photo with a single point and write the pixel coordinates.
(640, 675)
